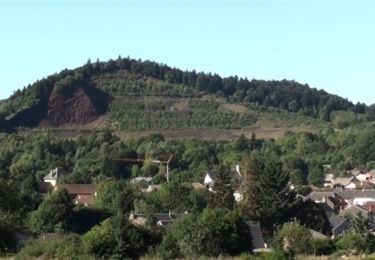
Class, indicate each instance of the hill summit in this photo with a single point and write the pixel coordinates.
(143, 95)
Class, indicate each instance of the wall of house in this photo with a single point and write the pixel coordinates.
(362, 201)
(53, 182)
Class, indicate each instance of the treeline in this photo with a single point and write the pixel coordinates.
(288, 95)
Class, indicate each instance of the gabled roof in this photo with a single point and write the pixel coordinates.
(233, 174)
(354, 172)
(354, 210)
(352, 194)
(319, 195)
(55, 174)
(343, 181)
(317, 235)
(339, 224)
(257, 239)
(138, 179)
(364, 177)
(75, 189)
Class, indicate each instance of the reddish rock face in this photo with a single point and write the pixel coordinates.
(73, 107)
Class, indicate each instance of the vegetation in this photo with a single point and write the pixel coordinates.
(147, 95)
(26, 158)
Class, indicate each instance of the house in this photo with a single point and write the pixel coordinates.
(143, 181)
(161, 219)
(339, 225)
(238, 196)
(328, 180)
(317, 235)
(54, 175)
(354, 172)
(370, 207)
(358, 197)
(347, 183)
(330, 200)
(211, 176)
(197, 186)
(84, 194)
(151, 188)
(209, 180)
(354, 210)
(257, 240)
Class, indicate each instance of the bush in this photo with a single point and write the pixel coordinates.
(55, 246)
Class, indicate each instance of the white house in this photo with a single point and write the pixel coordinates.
(54, 175)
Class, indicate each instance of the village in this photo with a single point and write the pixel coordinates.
(341, 198)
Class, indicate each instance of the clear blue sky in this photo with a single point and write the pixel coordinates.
(329, 45)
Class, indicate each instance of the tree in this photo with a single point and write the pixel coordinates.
(316, 176)
(114, 196)
(312, 216)
(214, 232)
(352, 242)
(222, 193)
(293, 238)
(53, 213)
(117, 238)
(100, 240)
(267, 197)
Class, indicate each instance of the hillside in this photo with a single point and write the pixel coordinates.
(133, 95)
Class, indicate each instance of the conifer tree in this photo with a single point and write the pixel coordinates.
(268, 198)
(222, 194)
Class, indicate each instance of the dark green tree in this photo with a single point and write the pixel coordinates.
(221, 195)
(268, 198)
(52, 214)
(214, 232)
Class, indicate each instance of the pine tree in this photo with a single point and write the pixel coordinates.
(222, 194)
(268, 198)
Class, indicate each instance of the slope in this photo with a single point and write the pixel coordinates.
(134, 95)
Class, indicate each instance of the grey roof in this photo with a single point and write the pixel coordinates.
(138, 179)
(319, 195)
(78, 189)
(55, 174)
(352, 194)
(317, 235)
(343, 181)
(339, 224)
(354, 210)
(257, 239)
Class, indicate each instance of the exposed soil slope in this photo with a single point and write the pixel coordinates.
(73, 107)
(76, 105)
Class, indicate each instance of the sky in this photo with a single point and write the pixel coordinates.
(329, 45)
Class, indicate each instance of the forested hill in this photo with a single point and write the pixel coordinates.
(140, 95)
